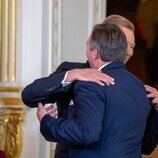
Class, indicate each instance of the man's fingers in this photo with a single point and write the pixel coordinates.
(103, 79)
(150, 89)
(155, 101)
(50, 107)
(108, 81)
(40, 105)
(54, 115)
(52, 110)
(109, 77)
(40, 111)
(151, 95)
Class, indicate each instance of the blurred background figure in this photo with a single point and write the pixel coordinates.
(144, 16)
(147, 20)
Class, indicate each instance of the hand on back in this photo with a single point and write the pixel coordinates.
(89, 74)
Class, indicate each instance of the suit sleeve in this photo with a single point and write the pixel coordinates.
(150, 139)
(86, 125)
(46, 89)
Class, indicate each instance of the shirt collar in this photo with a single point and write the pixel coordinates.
(104, 65)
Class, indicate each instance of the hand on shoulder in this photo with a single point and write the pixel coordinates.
(152, 94)
(89, 74)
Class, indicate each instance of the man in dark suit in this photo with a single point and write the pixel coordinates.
(105, 121)
(50, 89)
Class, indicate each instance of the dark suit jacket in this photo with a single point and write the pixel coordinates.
(106, 121)
(50, 88)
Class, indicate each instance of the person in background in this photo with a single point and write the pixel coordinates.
(147, 25)
(58, 87)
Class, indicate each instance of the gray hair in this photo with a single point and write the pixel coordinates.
(110, 41)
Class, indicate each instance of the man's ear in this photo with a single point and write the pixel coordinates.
(95, 54)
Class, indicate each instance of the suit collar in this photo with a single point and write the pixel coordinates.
(104, 66)
(113, 65)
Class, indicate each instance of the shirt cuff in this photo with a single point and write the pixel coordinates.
(63, 81)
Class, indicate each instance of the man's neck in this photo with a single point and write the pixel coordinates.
(96, 64)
